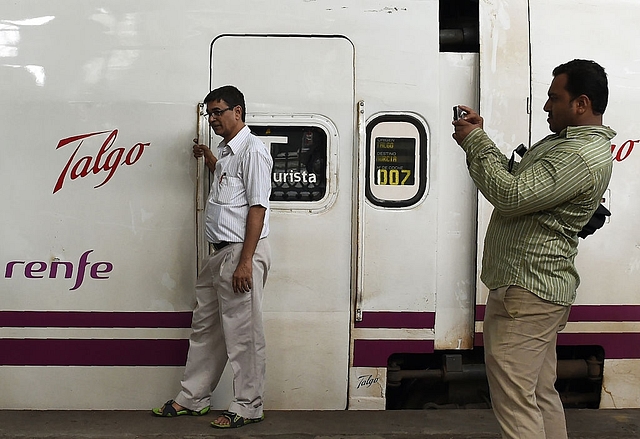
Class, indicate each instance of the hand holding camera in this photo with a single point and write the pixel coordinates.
(465, 120)
(458, 113)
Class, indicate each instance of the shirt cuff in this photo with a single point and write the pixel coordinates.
(475, 142)
(471, 138)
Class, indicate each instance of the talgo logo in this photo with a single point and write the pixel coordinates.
(57, 268)
(105, 161)
(623, 151)
(366, 381)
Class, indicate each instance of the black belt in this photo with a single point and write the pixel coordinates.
(220, 245)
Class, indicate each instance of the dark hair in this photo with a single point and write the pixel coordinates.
(588, 78)
(230, 95)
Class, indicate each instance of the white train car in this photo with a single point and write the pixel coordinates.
(373, 300)
(523, 41)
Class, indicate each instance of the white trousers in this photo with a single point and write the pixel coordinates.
(227, 326)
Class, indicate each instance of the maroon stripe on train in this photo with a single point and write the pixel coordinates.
(376, 353)
(94, 319)
(617, 346)
(592, 313)
(396, 320)
(93, 352)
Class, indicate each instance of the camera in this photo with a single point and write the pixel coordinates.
(458, 113)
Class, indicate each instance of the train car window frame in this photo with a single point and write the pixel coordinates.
(315, 122)
(390, 137)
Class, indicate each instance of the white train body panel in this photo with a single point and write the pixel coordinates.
(607, 307)
(376, 227)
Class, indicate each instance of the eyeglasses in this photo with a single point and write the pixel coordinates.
(215, 112)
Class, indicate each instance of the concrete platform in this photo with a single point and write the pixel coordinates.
(402, 424)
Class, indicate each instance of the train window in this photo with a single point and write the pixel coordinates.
(299, 161)
(396, 160)
(304, 148)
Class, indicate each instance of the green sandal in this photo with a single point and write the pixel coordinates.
(168, 411)
(235, 420)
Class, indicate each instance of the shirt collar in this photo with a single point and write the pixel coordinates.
(238, 141)
(578, 131)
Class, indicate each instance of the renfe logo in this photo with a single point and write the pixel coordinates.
(38, 269)
(101, 162)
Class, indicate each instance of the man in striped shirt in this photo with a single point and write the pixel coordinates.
(227, 321)
(528, 264)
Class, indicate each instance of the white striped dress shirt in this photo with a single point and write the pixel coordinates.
(242, 179)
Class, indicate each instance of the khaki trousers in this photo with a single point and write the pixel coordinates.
(520, 333)
(227, 326)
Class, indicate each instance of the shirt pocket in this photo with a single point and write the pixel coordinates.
(231, 191)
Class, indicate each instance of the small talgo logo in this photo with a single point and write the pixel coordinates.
(366, 381)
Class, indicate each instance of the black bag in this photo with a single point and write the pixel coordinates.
(597, 220)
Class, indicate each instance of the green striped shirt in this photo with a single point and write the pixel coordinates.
(540, 207)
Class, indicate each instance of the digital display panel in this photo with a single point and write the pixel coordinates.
(395, 161)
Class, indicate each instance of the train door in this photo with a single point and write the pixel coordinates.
(300, 100)
(505, 102)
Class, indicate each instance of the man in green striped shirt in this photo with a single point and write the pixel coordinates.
(528, 264)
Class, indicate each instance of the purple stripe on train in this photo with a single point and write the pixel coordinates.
(592, 313)
(375, 353)
(92, 352)
(94, 319)
(169, 352)
(616, 345)
(396, 320)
